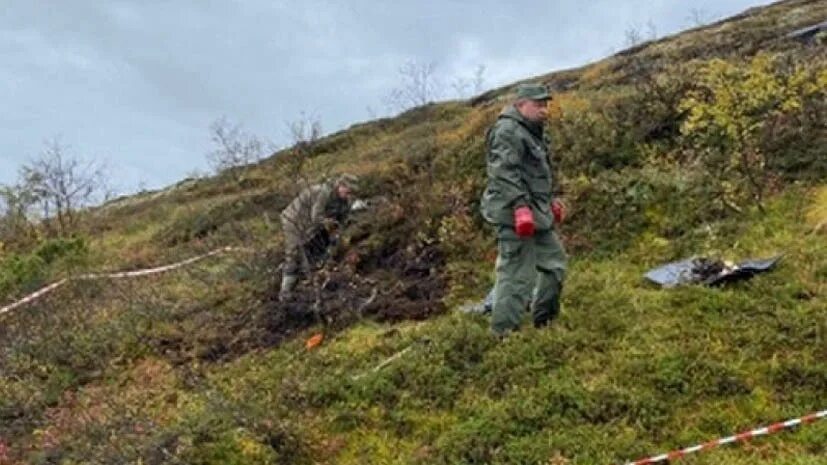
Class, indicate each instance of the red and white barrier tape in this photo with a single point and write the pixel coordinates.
(122, 274)
(766, 430)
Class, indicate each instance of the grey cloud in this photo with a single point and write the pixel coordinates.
(140, 81)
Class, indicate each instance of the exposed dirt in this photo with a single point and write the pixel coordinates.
(384, 278)
(376, 268)
(406, 286)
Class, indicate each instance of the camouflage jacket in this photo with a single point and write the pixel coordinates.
(312, 205)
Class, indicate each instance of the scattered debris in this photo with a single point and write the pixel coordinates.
(359, 205)
(483, 307)
(392, 358)
(314, 341)
(709, 272)
(808, 33)
(384, 363)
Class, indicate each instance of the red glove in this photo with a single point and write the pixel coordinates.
(558, 210)
(524, 222)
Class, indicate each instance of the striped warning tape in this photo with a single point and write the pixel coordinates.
(122, 274)
(774, 428)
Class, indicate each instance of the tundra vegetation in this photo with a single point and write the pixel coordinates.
(709, 142)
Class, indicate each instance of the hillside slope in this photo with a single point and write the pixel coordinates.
(709, 142)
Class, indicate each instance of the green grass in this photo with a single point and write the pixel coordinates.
(629, 370)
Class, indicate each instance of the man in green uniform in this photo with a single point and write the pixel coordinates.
(531, 262)
(321, 205)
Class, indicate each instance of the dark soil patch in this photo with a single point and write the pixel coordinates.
(407, 287)
(377, 269)
(386, 283)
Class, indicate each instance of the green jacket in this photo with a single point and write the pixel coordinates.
(518, 171)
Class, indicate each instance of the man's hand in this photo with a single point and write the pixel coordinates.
(558, 210)
(523, 222)
(329, 224)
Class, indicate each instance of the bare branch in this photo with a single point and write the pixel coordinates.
(461, 86)
(479, 79)
(698, 17)
(418, 86)
(651, 30)
(60, 184)
(234, 147)
(464, 87)
(305, 132)
(632, 35)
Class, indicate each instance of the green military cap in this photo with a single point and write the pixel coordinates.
(532, 91)
(348, 180)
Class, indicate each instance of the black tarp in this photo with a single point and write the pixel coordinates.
(710, 272)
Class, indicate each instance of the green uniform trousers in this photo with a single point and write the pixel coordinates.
(529, 270)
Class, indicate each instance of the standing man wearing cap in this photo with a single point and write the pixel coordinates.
(531, 262)
(321, 205)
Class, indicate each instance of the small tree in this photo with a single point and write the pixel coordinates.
(234, 147)
(632, 36)
(462, 86)
(698, 17)
(304, 133)
(634, 33)
(60, 184)
(418, 86)
(479, 79)
(651, 30)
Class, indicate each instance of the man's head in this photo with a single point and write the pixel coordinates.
(345, 185)
(532, 102)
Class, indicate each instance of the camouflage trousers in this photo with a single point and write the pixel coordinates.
(295, 259)
(529, 271)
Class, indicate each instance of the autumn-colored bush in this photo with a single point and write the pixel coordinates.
(606, 129)
(735, 110)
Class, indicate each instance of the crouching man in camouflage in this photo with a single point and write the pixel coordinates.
(324, 205)
(531, 262)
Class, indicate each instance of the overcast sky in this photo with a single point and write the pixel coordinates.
(137, 83)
